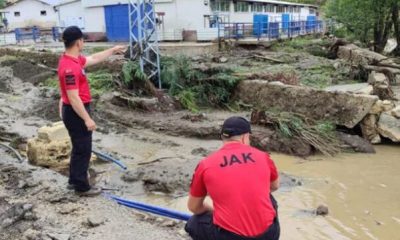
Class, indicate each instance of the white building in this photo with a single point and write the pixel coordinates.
(178, 19)
(28, 13)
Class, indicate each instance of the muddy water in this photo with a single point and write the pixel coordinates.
(362, 192)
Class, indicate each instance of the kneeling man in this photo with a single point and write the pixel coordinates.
(239, 179)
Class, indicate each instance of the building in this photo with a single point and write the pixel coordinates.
(28, 13)
(177, 19)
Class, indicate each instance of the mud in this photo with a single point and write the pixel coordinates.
(35, 205)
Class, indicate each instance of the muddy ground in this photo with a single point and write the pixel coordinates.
(161, 149)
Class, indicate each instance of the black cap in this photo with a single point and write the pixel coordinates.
(71, 34)
(235, 126)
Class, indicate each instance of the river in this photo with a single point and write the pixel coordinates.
(362, 192)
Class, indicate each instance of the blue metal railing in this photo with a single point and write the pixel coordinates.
(269, 30)
(34, 33)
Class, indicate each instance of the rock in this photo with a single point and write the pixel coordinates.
(168, 223)
(132, 176)
(55, 132)
(59, 236)
(200, 151)
(223, 60)
(369, 129)
(377, 78)
(94, 221)
(396, 112)
(340, 108)
(53, 154)
(381, 106)
(322, 210)
(389, 127)
(51, 148)
(357, 143)
(358, 88)
(32, 234)
(217, 59)
(390, 46)
(360, 56)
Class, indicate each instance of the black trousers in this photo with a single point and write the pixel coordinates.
(201, 227)
(81, 140)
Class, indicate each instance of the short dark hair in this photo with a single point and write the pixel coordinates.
(71, 35)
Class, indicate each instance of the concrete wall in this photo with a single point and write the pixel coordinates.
(90, 19)
(30, 14)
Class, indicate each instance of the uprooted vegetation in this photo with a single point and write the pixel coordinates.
(319, 134)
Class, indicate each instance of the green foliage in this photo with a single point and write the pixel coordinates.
(131, 72)
(364, 20)
(212, 87)
(100, 82)
(51, 82)
(188, 100)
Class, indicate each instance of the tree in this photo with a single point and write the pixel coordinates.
(367, 20)
(2, 3)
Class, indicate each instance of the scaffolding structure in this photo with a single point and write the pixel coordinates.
(143, 38)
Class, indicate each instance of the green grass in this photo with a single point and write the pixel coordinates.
(99, 81)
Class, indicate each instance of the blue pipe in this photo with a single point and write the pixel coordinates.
(152, 209)
(110, 159)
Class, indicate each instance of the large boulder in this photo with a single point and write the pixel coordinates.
(360, 56)
(389, 127)
(357, 88)
(51, 148)
(340, 108)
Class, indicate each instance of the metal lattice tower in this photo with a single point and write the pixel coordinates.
(143, 38)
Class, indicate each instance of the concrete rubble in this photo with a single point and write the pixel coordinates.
(51, 148)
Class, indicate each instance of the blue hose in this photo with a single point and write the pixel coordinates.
(110, 159)
(151, 209)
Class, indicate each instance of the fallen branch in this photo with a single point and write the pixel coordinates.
(268, 58)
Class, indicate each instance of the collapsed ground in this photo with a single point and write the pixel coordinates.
(184, 120)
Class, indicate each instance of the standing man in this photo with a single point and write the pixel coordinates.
(75, 105)
(239, 179)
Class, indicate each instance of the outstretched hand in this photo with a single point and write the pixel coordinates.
(119, 49)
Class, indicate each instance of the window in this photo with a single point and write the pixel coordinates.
(43, 13)
(257, 7)
(312, 11)
(241, 6)
(17, 14)
(290, 9)
(280, 9)
(297, 9)
(269, 8)
(220, 6)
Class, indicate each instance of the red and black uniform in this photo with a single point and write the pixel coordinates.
(71, 75)
(237, 178)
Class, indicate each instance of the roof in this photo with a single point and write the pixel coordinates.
(48, 2)
(65, 2)
(283, 3)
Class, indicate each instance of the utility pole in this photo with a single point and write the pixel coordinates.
(143, 38)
